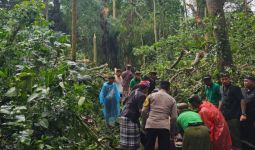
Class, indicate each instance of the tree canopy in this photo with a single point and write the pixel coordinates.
(48, 101)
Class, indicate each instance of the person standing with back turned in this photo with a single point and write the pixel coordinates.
(162, 111)
(127, 77)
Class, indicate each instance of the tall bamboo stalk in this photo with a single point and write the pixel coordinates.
(114, 9)
(95, 48)
(155, 22)
(74, 30)
(46, 9)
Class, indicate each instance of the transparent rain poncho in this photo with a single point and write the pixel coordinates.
(110, 98)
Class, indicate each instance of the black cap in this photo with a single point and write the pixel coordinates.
(225, 74)
(153, 72)
(250, 78)
(137, 72)
(207, 77)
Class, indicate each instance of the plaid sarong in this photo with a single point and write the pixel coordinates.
(129, 134)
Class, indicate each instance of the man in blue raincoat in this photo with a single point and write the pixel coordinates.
(110, 101)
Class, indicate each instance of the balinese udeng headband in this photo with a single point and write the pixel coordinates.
(250, 78)
(145, 83)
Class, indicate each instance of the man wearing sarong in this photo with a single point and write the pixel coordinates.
(129, 120)
(127, 77)
(232, 107)
(212, 91)
(214, 120)
(162, 112)
(195, 133)
(248, 124)
(110, 101)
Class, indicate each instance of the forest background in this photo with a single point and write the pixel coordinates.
(50, 101)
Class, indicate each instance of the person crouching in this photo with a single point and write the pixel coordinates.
(195, 134)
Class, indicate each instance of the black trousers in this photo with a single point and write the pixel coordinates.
(163, 139)
(248, 135)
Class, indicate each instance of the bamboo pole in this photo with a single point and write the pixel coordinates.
(47, 9)
(114, 9)
(154, 19)
(74, 30)
(95, 48)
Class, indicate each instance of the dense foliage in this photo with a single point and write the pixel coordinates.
(184, 58)
(48, 102)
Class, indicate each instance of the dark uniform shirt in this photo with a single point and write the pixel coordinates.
(133, 104)
(249, 97)
(247, 126)
(231, 98)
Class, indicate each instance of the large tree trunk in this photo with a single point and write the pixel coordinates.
(74, 29)
(46, 10)
(245, 6)
(201, 7)
(215, 9)
(105, 36)
(185, 10)
(109, 44)
(55, 16)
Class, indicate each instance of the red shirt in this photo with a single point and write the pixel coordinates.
(214, 120)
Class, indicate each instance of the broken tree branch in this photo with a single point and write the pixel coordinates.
(99, 67)
(178, 59)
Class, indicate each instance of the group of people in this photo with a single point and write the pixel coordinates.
(224, 120)
(118, 87)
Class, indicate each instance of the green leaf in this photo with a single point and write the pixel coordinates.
(32, 97)
(49, 147)
(81, 101)
(45, 114)
(20, 108)
(61, 84)
(4, 111)
(20, 118)
(25, 136)
(2, 74)
(12, 92)
(44, 123)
